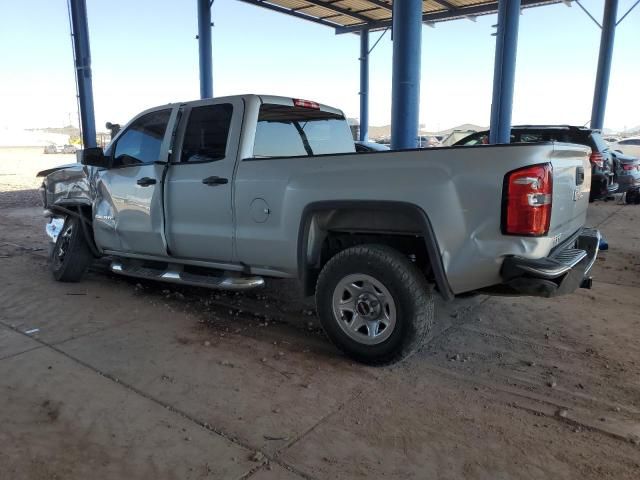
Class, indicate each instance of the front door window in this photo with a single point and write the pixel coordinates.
(141, 142)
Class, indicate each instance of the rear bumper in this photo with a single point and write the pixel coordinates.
(626, 182)
(563, 271)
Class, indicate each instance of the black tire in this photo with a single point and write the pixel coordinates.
(70, 256)
(413, 302)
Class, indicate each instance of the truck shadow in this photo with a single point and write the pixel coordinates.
(273, 314)
(277, 313)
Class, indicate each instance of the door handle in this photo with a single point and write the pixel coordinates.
(146, 181)
(213, 181)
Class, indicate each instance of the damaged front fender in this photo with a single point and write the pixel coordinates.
(67, 186)
(67, 191)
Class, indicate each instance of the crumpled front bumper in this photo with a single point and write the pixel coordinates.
(563, 271)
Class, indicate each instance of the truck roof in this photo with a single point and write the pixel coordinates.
(260, 98)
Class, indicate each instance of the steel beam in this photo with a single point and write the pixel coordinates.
(364, 85)
(405, 89)
(335, 8)
(82, 59)
(504, 71)
(382, 4)
(604, 63)
(293, 13)
(444, 15)
(628, 12)
(445, 4)
(204, 48)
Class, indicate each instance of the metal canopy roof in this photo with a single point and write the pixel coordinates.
(354, 15)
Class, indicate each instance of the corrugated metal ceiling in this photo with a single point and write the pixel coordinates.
(353, 15)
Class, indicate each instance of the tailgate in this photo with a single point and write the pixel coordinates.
(571, 186)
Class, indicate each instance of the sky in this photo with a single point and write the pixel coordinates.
(144, 53)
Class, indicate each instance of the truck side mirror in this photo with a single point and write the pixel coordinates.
(93, 156)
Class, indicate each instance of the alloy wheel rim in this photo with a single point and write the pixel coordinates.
(62, 246)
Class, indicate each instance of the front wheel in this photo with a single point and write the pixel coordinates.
(70, 256)
(374, 304)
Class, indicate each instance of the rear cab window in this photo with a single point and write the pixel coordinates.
(291, 131)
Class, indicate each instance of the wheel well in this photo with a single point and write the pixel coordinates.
(331, 228)
(411, 246)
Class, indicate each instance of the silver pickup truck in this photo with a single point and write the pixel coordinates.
(223, 192)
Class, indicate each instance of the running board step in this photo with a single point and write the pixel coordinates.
(186, 278)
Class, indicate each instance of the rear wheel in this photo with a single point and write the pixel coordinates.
(374, 304)
(70, 256)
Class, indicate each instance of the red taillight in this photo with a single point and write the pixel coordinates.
(628, 167)
(597, 159)
(306, 104)
(527, 201)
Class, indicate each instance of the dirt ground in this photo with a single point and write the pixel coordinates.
(115, 378)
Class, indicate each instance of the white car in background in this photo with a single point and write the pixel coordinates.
(628, 146)
(69, 149)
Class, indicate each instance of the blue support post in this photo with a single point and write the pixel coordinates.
(82, 58)
(504, 71)
(405, 90)
(364, 84)
(604, 63)
(204, 48)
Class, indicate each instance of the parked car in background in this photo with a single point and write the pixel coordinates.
(628, 146)
(627, 169)
(428, 141)
(370, 147)
(455, 136)
(69, 149)
(50, 149)
(603, 169)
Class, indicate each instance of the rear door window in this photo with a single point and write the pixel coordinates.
(207, 132)
(285, 131)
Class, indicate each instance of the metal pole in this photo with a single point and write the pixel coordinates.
(504, 70)
(364, 84)
(204, 48)
(604, 63)
(405, 90)
(82, 54)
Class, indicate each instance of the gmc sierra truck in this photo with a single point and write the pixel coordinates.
(224, 192)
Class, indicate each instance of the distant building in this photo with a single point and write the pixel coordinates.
(31, 138)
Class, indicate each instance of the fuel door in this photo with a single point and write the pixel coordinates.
(260, 210)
